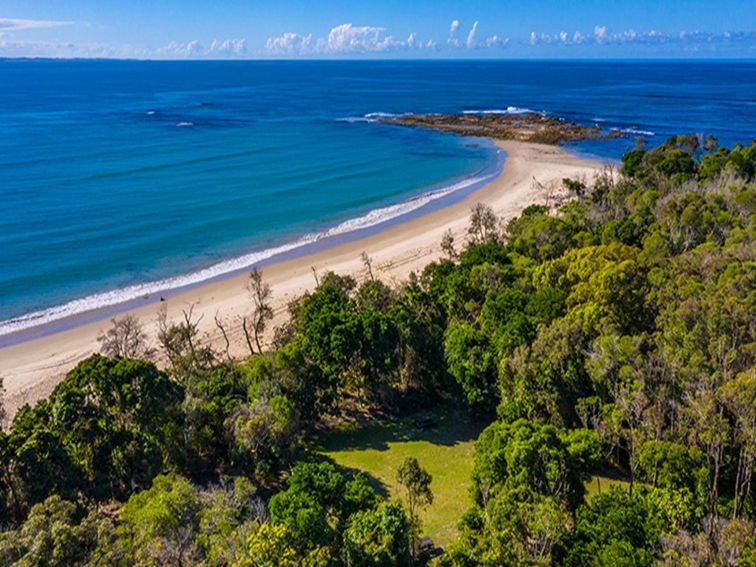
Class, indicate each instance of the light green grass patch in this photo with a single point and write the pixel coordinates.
(599, 484)
(445, 451)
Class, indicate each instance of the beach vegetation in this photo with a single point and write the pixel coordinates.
(262, 312)
(606, 341)
(447, 245)
(126, 338)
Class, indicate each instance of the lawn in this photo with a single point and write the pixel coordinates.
(445, 451)
(600, 484)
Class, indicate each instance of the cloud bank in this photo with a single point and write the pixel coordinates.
(602, 36)
(350, 40)
(8, 25)
(344, 39)
(194, 49)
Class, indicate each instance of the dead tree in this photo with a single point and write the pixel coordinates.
(125, 338)
(2, 403)
(181, 344)
(262, 312)
(447, 245)
(484, 225)
(222, 329)
(367, 261)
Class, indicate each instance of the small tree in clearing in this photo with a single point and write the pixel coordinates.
(416, 481)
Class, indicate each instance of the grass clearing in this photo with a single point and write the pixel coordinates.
(445, 451)
(599, 484)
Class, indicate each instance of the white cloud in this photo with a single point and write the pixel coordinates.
(23, 48)
(471, 36)
(218, 49)
(14, 24)
(177, 50)
(347, 38)
(289, 44)
(451, 40)
(496, 41)
(228, 47)
(601, 35)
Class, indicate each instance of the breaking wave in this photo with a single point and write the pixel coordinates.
(148, 290)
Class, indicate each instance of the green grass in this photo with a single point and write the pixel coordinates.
(446, 452)
(604, 483)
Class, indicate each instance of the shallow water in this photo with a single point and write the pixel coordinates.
(116, 174)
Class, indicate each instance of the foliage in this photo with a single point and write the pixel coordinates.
(612, 335)
(378, 538)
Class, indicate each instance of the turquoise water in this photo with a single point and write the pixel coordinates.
(121, 179)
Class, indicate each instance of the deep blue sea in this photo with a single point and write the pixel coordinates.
(115, 175)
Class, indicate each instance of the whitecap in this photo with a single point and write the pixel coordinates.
(635, 131)
(374, 117)
(508, 110)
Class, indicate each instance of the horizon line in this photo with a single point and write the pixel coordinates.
(389, 59)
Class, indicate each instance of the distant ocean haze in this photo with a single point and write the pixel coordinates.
(119, 174)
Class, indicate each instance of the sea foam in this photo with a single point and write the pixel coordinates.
(635, 131)
(507, 110)
(148, 290)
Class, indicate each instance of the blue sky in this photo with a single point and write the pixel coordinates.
(194, 29)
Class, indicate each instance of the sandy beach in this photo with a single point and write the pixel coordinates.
(532, 174)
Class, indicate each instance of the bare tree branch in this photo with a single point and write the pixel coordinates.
(262, 312)
(125, 338)
(367, 261)
(219, 324)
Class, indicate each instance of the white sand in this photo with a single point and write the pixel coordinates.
(532, 174)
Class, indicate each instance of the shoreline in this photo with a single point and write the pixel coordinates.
(110, 303)
(31, 368)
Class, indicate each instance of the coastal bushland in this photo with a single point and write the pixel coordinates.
(612, 335)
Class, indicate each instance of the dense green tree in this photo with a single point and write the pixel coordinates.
(614, 529)
(472, 363)
(378, 538)
(176, 523)
(526, 457)
(54, 534)
(420, 322)
(316, 505)
(35, 462)
(118, 420)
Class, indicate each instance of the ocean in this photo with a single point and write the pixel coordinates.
(121, 180)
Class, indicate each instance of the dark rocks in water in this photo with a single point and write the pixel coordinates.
(527, 127)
